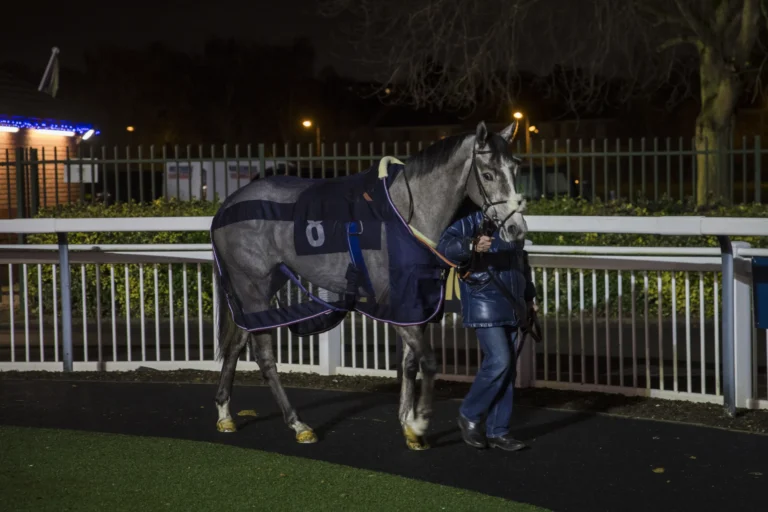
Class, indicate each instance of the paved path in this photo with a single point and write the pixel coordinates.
(576, 462)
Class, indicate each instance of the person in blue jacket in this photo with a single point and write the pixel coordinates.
(486, 308)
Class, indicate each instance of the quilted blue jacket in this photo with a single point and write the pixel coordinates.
(483, 304)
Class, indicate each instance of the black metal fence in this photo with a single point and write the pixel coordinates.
(34, 178)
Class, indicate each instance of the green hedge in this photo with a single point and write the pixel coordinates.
(562, 206)
(664, 207)
(160, 208)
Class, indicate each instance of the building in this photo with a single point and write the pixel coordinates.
(35, 141)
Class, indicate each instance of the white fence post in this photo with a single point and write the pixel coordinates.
(742, 326)
(329, 344)
(66, 302)
(330, 351)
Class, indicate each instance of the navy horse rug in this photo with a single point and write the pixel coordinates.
(342, 216)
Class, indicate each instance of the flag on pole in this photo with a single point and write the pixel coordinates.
(50, 82)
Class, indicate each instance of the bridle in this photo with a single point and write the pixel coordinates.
(487, 203)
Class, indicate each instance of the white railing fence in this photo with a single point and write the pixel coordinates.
(628, 320)
(130, 307)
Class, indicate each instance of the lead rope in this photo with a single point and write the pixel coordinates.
(410, 196)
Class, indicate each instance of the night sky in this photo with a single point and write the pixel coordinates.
(31, 28)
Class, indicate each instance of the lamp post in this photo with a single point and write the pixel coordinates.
(307, 123)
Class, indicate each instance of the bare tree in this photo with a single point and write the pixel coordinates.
(456, 53)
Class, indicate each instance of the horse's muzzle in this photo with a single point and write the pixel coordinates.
(515, 229)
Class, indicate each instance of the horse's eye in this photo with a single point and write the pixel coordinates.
(487, 176)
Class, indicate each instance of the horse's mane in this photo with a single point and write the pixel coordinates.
(434, 155)
(441, 151)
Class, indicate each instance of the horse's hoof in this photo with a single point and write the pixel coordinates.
(415, 442)
(226, 425)
(306, 437)
(417, 445)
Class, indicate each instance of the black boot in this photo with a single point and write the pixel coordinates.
(472, 433)
(506, 443)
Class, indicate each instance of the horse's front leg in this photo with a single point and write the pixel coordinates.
(415, 420)
(428, 364)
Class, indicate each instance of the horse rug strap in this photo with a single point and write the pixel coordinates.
(354, 230)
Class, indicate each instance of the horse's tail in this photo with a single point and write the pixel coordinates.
(226, 330)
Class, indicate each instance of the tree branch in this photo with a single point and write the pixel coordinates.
(461, 53)
(696, 24)
(750, 15)
(764, 10)
(676, 41)
(661, 16)
(727, 13)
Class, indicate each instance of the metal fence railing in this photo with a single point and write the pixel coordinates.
(604, 169)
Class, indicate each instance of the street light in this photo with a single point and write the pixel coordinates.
(528, 129)
(307, 123)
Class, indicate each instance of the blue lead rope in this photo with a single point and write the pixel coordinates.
(356, 254)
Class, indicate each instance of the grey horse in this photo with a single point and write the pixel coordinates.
(478, 166)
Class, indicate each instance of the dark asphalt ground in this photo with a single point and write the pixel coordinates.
(576, 462)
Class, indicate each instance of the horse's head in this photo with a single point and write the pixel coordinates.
(491, 183)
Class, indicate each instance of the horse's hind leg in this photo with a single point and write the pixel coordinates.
(261, 345)
(232, 338)
(230, 351)
(415, 420)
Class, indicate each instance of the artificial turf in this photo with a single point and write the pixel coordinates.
(43, 469)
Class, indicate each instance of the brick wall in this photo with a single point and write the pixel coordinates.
(51, 185)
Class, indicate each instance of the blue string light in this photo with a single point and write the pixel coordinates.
(45, 124)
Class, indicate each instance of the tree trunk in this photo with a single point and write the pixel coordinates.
(712, 169)
(720, 87)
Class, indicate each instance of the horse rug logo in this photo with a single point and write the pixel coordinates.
(315, 233)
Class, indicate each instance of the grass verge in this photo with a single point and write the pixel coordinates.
(62, 470)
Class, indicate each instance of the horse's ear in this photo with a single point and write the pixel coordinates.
(509, 132)
(481, 134)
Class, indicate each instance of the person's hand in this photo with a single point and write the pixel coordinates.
(483, 244)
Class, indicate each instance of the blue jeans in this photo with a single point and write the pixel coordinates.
(492, 390)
